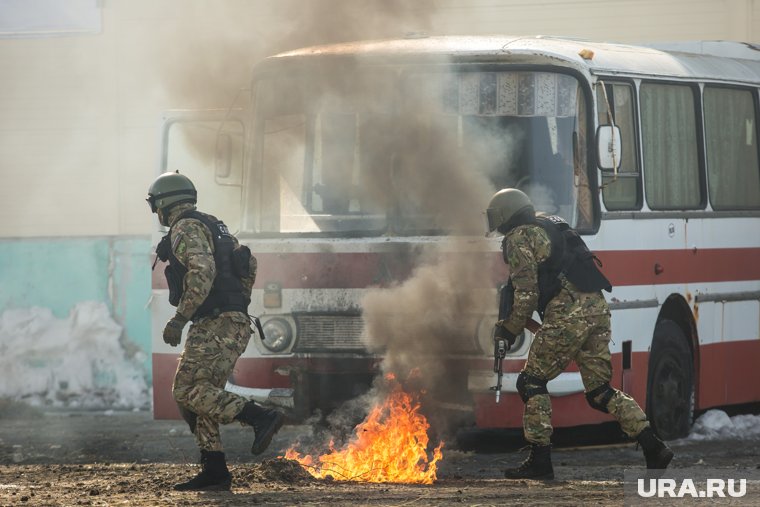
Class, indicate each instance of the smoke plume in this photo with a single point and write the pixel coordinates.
(414, 167)
(202, 67)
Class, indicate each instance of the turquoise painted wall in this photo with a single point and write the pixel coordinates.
(57, 273)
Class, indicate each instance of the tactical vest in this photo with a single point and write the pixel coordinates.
(569, 256)
(232, 264)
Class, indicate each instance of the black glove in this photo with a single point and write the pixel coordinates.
(502, 333)
(173, 330)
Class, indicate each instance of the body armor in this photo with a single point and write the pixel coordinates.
(232, 264)
(569, 257)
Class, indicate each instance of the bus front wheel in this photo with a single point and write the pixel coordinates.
(670, 387)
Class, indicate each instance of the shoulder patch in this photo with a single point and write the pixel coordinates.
(176, 243)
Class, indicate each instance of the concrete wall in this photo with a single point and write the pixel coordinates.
(80, 113)
(57, 273)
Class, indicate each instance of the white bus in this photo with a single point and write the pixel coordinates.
(345, 161)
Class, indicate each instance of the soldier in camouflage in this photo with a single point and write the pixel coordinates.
(210, 279)
(575, 327)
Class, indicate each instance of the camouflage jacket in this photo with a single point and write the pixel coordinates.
(193, 246)
(527, 246)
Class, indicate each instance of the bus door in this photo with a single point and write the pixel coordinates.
(208, 147)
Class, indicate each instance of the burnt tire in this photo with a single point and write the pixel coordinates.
(670, 386)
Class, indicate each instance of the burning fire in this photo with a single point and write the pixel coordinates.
(390, 445)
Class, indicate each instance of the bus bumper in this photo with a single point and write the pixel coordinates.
(569, 405)
(279, 396)
(566, 383)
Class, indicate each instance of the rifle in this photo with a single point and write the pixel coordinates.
(257, 323)
(506, 301)
(499, 352)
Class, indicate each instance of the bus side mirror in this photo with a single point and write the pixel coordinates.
(608, 147)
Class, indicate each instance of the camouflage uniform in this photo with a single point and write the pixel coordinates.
(576, 327)
(213, 344)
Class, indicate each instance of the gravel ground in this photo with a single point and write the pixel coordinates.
(127, 458)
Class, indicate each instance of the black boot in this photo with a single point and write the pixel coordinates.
(265, 421)
(656, 452)
(213, 476)
(537, 466)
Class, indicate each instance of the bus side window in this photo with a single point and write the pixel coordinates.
(672, 173)
(621, 191)
(732, 153)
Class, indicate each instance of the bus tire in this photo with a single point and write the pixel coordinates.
(670, 386)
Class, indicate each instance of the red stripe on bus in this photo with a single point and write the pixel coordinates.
(729, 373)
(728, 376)
(258, 372)
(569, 410)
(164, 366)
(357, 270)
(656, 267)
(249, 372)
(723, 381)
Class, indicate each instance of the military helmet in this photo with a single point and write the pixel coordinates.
(169, 189)
(504, 205)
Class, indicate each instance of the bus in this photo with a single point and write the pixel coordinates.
(358, 174)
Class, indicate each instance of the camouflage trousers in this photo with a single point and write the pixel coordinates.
(213, 346)
(576, 327)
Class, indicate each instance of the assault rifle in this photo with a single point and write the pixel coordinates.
(499, 352)
(500, 347)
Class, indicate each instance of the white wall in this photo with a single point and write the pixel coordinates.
(609, 20)
(80, 114)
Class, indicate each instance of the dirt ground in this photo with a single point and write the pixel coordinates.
(127, 458)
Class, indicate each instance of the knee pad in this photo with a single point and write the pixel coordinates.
(529, 386)
(600, 397)
(190, 417)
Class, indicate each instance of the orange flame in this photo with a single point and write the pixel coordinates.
(390, 445)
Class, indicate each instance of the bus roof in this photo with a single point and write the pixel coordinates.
(700, 60)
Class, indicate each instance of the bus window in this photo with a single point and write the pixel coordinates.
(283, 153)
(732, 158)
(318, 170)
(620, 192)
(386, 150)
(334, 164)
(514, 129)
(671, 153)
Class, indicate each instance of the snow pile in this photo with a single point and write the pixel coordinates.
(76, 362)
(716, 424)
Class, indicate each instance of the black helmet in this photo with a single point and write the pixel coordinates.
(169, 189)
(505, 205)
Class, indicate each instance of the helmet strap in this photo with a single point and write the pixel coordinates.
(163, 216)
(193, 193)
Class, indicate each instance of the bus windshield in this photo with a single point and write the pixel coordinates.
(408, 152)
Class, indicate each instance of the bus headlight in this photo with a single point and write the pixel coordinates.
(484, 334)
(278, 335)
